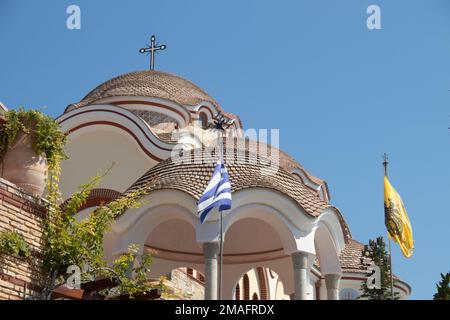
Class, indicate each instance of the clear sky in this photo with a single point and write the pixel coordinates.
(340, 94)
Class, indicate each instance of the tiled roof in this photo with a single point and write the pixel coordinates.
(149, 83)
(246, 170)
(352, 259)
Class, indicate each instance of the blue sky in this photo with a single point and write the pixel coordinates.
(341, 94)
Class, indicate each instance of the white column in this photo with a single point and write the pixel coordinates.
(211, 251)
(300, 264)
(332, 284)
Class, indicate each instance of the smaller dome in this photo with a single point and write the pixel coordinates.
(245, 171)
(155, 84)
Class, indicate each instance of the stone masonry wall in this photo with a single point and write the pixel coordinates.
(186, 286)
(23, 213)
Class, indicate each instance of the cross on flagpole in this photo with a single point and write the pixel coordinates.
(152, 48)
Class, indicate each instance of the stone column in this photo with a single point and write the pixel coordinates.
(211, 251)
(300, 264)
(332, 284)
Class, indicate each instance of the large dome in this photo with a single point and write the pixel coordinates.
(155, 84)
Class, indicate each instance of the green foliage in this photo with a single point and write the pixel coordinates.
(49, 141)
(68, 241)
(443, 288)
(132, 280)
(13, 243)
(376, 252)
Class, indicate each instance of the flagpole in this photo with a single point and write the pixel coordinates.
(221, 224)
(221, 256)
(385, 163)
(392, 277)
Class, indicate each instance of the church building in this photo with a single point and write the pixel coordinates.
(283, 237)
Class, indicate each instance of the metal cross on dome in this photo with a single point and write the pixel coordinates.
(152, 48)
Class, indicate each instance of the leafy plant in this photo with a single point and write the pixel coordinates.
(68, 241)
(49, 140)
(13, 243)
(376, 252)
(138, 283)
(443, 288)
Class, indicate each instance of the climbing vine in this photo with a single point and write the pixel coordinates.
(70, 242)
(49, 140)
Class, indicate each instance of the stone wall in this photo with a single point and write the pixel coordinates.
(186, 286)
(23, 213)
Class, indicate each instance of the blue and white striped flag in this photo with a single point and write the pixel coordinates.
(216, 194)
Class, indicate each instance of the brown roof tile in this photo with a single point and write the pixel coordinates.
(245, 171)
(352, 259)
(149, 84)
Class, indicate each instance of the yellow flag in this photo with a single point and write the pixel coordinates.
(396, 219)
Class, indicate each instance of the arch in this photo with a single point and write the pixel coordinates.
(84, 119)
(91, 152)
(161, 105)
(315, 187)
(237, 293)
(246, 282)
(204, 120)
(255, 296)
(281, 212)
(211, 110)
(250, 278)
(97, 197)
(262, 283)
(136, 225)
(331, 220)
(277, 207)
(327, 251)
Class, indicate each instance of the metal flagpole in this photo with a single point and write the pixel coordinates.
(385, 163)
(221, 256)
(392, 277)
(221, 225)
(220, 124)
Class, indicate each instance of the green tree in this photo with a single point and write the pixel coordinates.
(376, 252)
(443, 288)
(67, 241)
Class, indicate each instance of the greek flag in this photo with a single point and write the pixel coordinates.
(216, 194)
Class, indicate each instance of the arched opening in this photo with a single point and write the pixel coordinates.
(257, 238)
(326, 251)
(237, 293)
(255, 296)
(203, 120)
(175, 252)
(263, 282)
(328, 263)
(246, 282)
